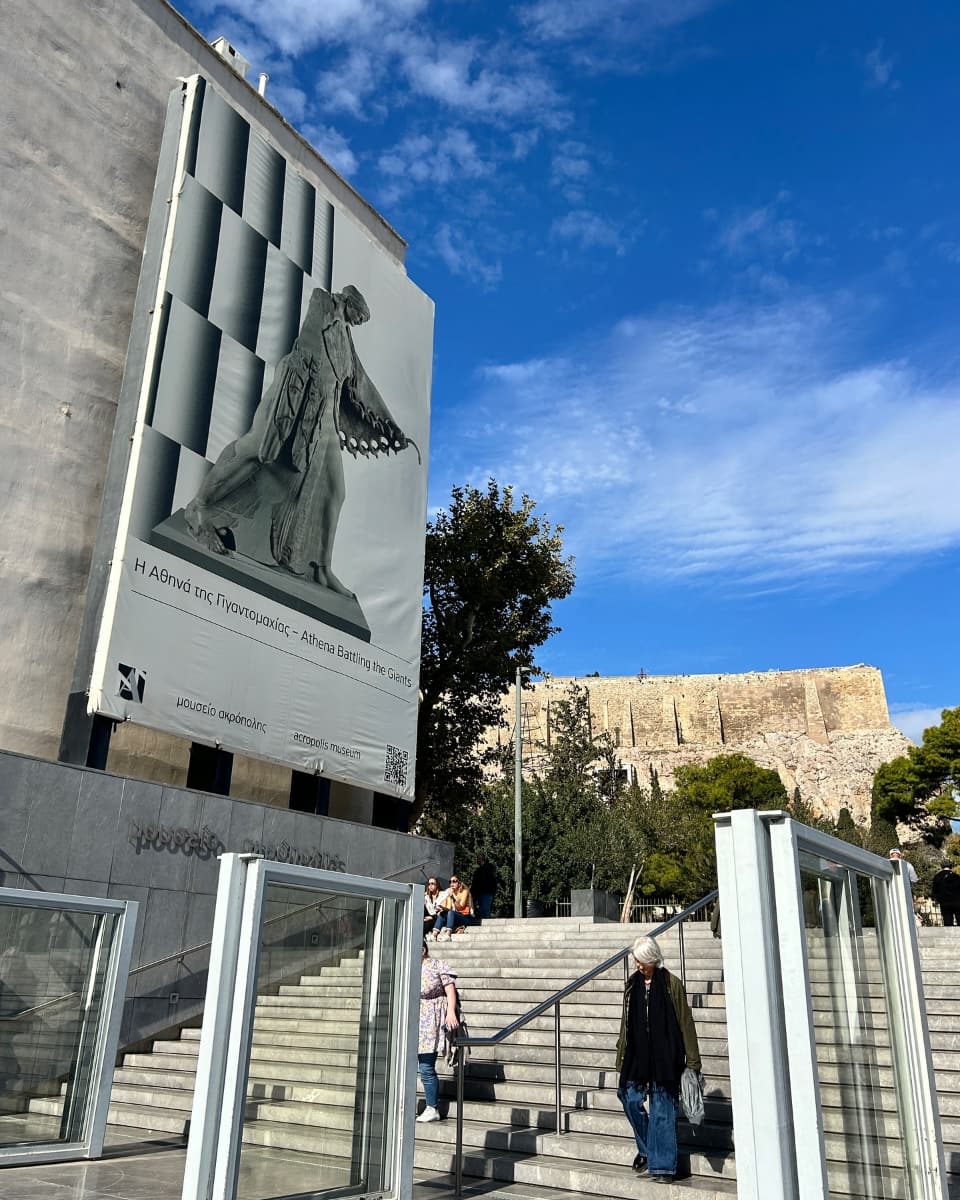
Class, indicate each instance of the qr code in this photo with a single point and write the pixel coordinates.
(395, 767)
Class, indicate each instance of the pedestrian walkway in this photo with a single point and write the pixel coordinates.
(137, 1169)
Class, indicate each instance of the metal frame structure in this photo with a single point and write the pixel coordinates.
(773, 1062)
(86, 1116)
(213, 1150)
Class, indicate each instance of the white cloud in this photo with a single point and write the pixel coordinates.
(761, 232)
(297, 26)
(734, 444)
(459, 75)
(589, 230)
(288, 99)
(348, 86)
(878, 69)
(612, 20)
(332, 146)
(523, 142)
(914, 720)
(419, 159)
(462, 257)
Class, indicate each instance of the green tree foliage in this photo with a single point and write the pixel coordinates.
(904, 788)
(726, 783)
(896, 791)
(729, 782)
(847, 829)
(568, 801)
(806, 814)
(880, 837)
(493, 568)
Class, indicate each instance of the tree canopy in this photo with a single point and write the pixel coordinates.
(922, 780)
(493, 568)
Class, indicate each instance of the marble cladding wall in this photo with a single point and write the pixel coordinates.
(75, 830)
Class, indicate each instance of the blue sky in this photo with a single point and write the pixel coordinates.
(696, 268)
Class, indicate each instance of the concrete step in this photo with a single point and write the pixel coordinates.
(267, 1029)
(608, 1123)
(312, 1139)
(571, 1176)
(592, 1165)
(327, 1117)
(148, 1118)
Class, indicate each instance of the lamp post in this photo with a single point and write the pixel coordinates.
(517, 793)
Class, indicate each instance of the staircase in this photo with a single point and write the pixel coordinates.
(304, 1056)
(303, 1064)
(507, 967)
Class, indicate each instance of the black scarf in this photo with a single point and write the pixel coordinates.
(655, 1051)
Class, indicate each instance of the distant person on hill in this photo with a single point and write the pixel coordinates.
(896, 856)
(456, 909)
(658, 1039)
(945, 889)
(483, 886)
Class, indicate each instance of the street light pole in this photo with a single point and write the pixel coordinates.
(517, 792)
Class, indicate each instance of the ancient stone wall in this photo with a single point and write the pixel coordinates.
(825, 730)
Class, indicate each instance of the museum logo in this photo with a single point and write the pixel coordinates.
(131, 682)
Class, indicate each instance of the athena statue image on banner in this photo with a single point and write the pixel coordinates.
(321, 403)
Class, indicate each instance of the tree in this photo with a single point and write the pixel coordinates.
(847, 829)
(805, 813)
(725, 783)
(493, 568)
(731, 781)
(567, 804)
(904, 788)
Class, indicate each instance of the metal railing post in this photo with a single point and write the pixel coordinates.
(683, 960)
(458, 1187)
(556, 1060)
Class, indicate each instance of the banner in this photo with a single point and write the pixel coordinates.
(265, 592)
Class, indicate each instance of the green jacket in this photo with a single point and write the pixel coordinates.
(688, 1030)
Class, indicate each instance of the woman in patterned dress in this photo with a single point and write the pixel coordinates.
(438, 1019)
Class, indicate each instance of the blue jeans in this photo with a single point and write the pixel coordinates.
(657, 1134)
(450, 919)
(483, 905)
(427, 1066)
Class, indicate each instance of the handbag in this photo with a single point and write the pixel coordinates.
(691, 1095)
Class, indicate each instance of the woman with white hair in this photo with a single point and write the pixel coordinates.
(657, 1040)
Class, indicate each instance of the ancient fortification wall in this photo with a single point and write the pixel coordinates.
(825, 730)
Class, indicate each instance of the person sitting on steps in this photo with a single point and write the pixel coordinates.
(431, 904)
(456, 910)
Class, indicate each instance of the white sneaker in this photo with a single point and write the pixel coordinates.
(428, 1114)
(445, 935)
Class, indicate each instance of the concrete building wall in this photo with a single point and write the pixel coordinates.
(825, 730)
(70, 829)
(81, 116)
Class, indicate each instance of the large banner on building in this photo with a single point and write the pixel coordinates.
(266, 586)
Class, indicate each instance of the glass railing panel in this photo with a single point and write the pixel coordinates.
(54, 991)
(851, 1002)
(321, 1046)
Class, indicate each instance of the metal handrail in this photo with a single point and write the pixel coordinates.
(179, 955)
(554, 1003)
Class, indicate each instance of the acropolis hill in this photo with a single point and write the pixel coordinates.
(825, 730)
